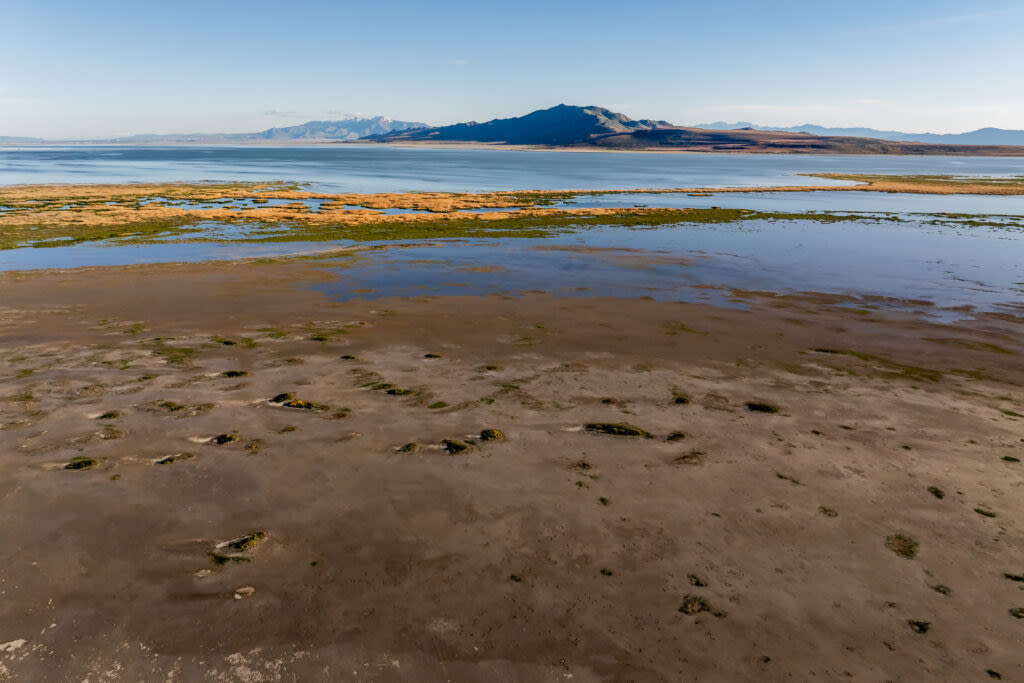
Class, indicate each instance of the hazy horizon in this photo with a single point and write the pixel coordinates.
(113, 68)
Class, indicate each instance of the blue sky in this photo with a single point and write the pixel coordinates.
(112, 67)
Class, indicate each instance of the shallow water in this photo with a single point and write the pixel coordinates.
(944, 266)
(949, 266)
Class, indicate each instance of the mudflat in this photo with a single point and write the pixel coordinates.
(214, 472)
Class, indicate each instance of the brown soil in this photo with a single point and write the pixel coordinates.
(511, 561)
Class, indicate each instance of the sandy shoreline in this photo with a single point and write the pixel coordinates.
(551, 553)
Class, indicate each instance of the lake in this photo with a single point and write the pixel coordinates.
(371, 168)
(947, 263)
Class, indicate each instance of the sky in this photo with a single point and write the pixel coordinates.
(73, 69)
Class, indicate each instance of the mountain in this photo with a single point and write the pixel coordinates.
(596, 127)
(561, 125)
(750, 141)
(351, 128)
(346, 129)
(982, 136)
(600, 128)
(14, 140)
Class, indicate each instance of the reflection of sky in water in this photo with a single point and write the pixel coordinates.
(949, 266)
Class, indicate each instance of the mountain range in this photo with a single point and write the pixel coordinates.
(350, 128)
(560, 125)
(597, 127)
(982, 136)
(15, 140)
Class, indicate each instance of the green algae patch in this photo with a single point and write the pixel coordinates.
(304, 405)
(244, 543)
(238, 549)
(288, 400)
(888, 368)
(53, 236)
(180, 356)
(969, 344)
(453, 447)
(902, 545)
(919, 627)
(82, 463)
(616, 429)
(244, 342)
(491, 435)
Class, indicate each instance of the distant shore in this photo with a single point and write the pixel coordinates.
(1009, 150)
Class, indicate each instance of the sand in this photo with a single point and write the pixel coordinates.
(733, 544)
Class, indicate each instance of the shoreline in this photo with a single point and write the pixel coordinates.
(497, 146)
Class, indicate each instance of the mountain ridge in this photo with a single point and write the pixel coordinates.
(596, 127)
(347, 129)
(559, 125)
(982, 136)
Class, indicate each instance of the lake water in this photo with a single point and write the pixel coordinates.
(371, 168)
(948, 265)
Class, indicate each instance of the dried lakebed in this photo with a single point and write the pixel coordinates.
(227, 472)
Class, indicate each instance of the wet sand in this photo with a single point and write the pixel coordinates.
(867, 529)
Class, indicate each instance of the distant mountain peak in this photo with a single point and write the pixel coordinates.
(562, 124)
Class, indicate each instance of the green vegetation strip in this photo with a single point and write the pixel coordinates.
(121, 230)
(187, 230)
